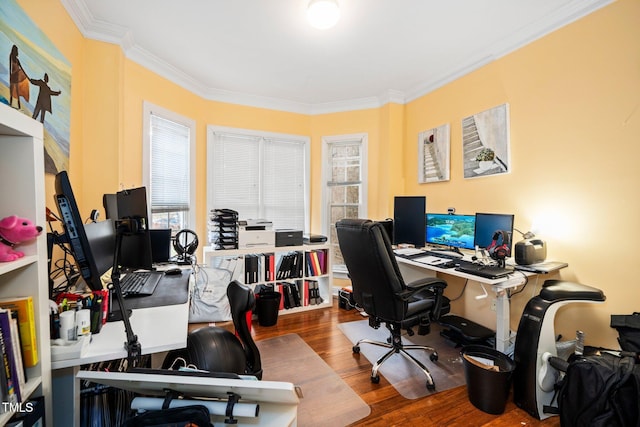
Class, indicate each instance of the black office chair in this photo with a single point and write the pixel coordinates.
(216, 349)
(378, 287)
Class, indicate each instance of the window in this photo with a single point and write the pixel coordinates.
(259, 175)
(345, 186)
(169, 168)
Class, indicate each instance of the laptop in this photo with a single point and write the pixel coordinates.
(543, 267)
(486, 271)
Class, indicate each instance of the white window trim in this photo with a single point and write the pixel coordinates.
(211, 134)
(326, 173)
(147, 109)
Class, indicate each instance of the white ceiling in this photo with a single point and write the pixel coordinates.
(263, 53)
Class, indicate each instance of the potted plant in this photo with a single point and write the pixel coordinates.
(485, 158)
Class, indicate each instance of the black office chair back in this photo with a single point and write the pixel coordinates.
(242, 300)
(372, 267)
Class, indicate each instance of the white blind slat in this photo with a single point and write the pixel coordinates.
(169, 165)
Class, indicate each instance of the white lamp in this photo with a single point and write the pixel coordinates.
(323, 14)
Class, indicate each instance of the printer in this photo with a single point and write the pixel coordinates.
(254, 233)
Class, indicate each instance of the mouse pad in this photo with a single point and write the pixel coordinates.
(170, 290)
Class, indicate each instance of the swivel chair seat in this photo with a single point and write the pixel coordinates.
(216, 349)
(378, 287)
(536, 342)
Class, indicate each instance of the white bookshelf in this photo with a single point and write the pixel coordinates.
(22, 193)
(324, 280)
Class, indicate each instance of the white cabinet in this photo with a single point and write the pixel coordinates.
(22, 193)
(307, 267)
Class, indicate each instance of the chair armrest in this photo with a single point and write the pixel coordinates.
(435, 284)
(426, 282)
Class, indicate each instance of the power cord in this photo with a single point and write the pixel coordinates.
(524, 285)
(464, 287)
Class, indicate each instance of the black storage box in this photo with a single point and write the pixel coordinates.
(461, 331)
(345, 300)
(286, 237)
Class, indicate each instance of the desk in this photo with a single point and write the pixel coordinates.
(278, 401)
(159, 329)
(413, 270)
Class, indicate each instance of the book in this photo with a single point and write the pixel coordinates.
(8, 357)
(27, 324)
(17, 350)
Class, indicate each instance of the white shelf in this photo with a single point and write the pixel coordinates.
(324, 280)
(22, 165)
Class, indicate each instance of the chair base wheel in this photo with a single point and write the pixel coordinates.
(355, 349)
(431, 387)
(375, 379)
(433, 357)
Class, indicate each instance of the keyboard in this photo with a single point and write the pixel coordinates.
(140, 283)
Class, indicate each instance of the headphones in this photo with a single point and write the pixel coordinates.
(185, 243)
(499, 247)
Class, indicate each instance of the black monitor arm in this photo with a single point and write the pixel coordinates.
(134, 350)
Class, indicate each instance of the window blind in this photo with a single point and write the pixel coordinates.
(260, 177)
(169, 165)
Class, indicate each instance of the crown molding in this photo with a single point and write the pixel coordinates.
(101, 31)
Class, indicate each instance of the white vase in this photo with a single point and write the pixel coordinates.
(485, 164)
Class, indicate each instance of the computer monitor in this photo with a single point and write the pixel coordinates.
(102, 241)
(409, 220)
(160, 244)
(452, 231)
(494, 229)
(135, 249)
(110, 204)
(75, 234)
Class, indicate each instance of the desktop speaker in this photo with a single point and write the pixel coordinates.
(530, 251)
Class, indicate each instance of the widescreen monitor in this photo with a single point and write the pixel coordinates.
(452, 231)
(487, 227)
(75, 234)
(409, 220)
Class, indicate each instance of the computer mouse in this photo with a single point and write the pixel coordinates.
(173, 271)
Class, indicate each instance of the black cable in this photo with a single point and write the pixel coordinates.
(524, 285)
(466, 281)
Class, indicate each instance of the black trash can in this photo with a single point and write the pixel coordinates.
(489, 374)
(267, 306)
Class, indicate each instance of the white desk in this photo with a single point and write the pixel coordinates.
(412, 270)
(277, 401)
(158, 329)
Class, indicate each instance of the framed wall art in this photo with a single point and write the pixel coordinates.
(434, 151)
(485, 142)
(36, 80)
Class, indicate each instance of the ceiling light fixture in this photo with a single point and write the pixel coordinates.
(323, 14)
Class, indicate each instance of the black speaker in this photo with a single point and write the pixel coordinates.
(530, 251)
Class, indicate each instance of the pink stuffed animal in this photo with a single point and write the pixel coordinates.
(13, 231)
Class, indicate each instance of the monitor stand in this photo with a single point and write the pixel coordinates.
(450, 252)
(116, 316)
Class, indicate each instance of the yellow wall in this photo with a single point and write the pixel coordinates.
(574, 100)
(574, 97)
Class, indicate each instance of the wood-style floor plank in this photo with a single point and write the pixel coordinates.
(319, 329)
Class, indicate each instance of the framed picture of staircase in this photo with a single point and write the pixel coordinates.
(433, 158)
(485, 142)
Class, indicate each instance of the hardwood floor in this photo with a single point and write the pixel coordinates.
(319, 330)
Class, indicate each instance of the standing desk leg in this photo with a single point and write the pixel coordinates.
(503, 328)
(66, 397)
